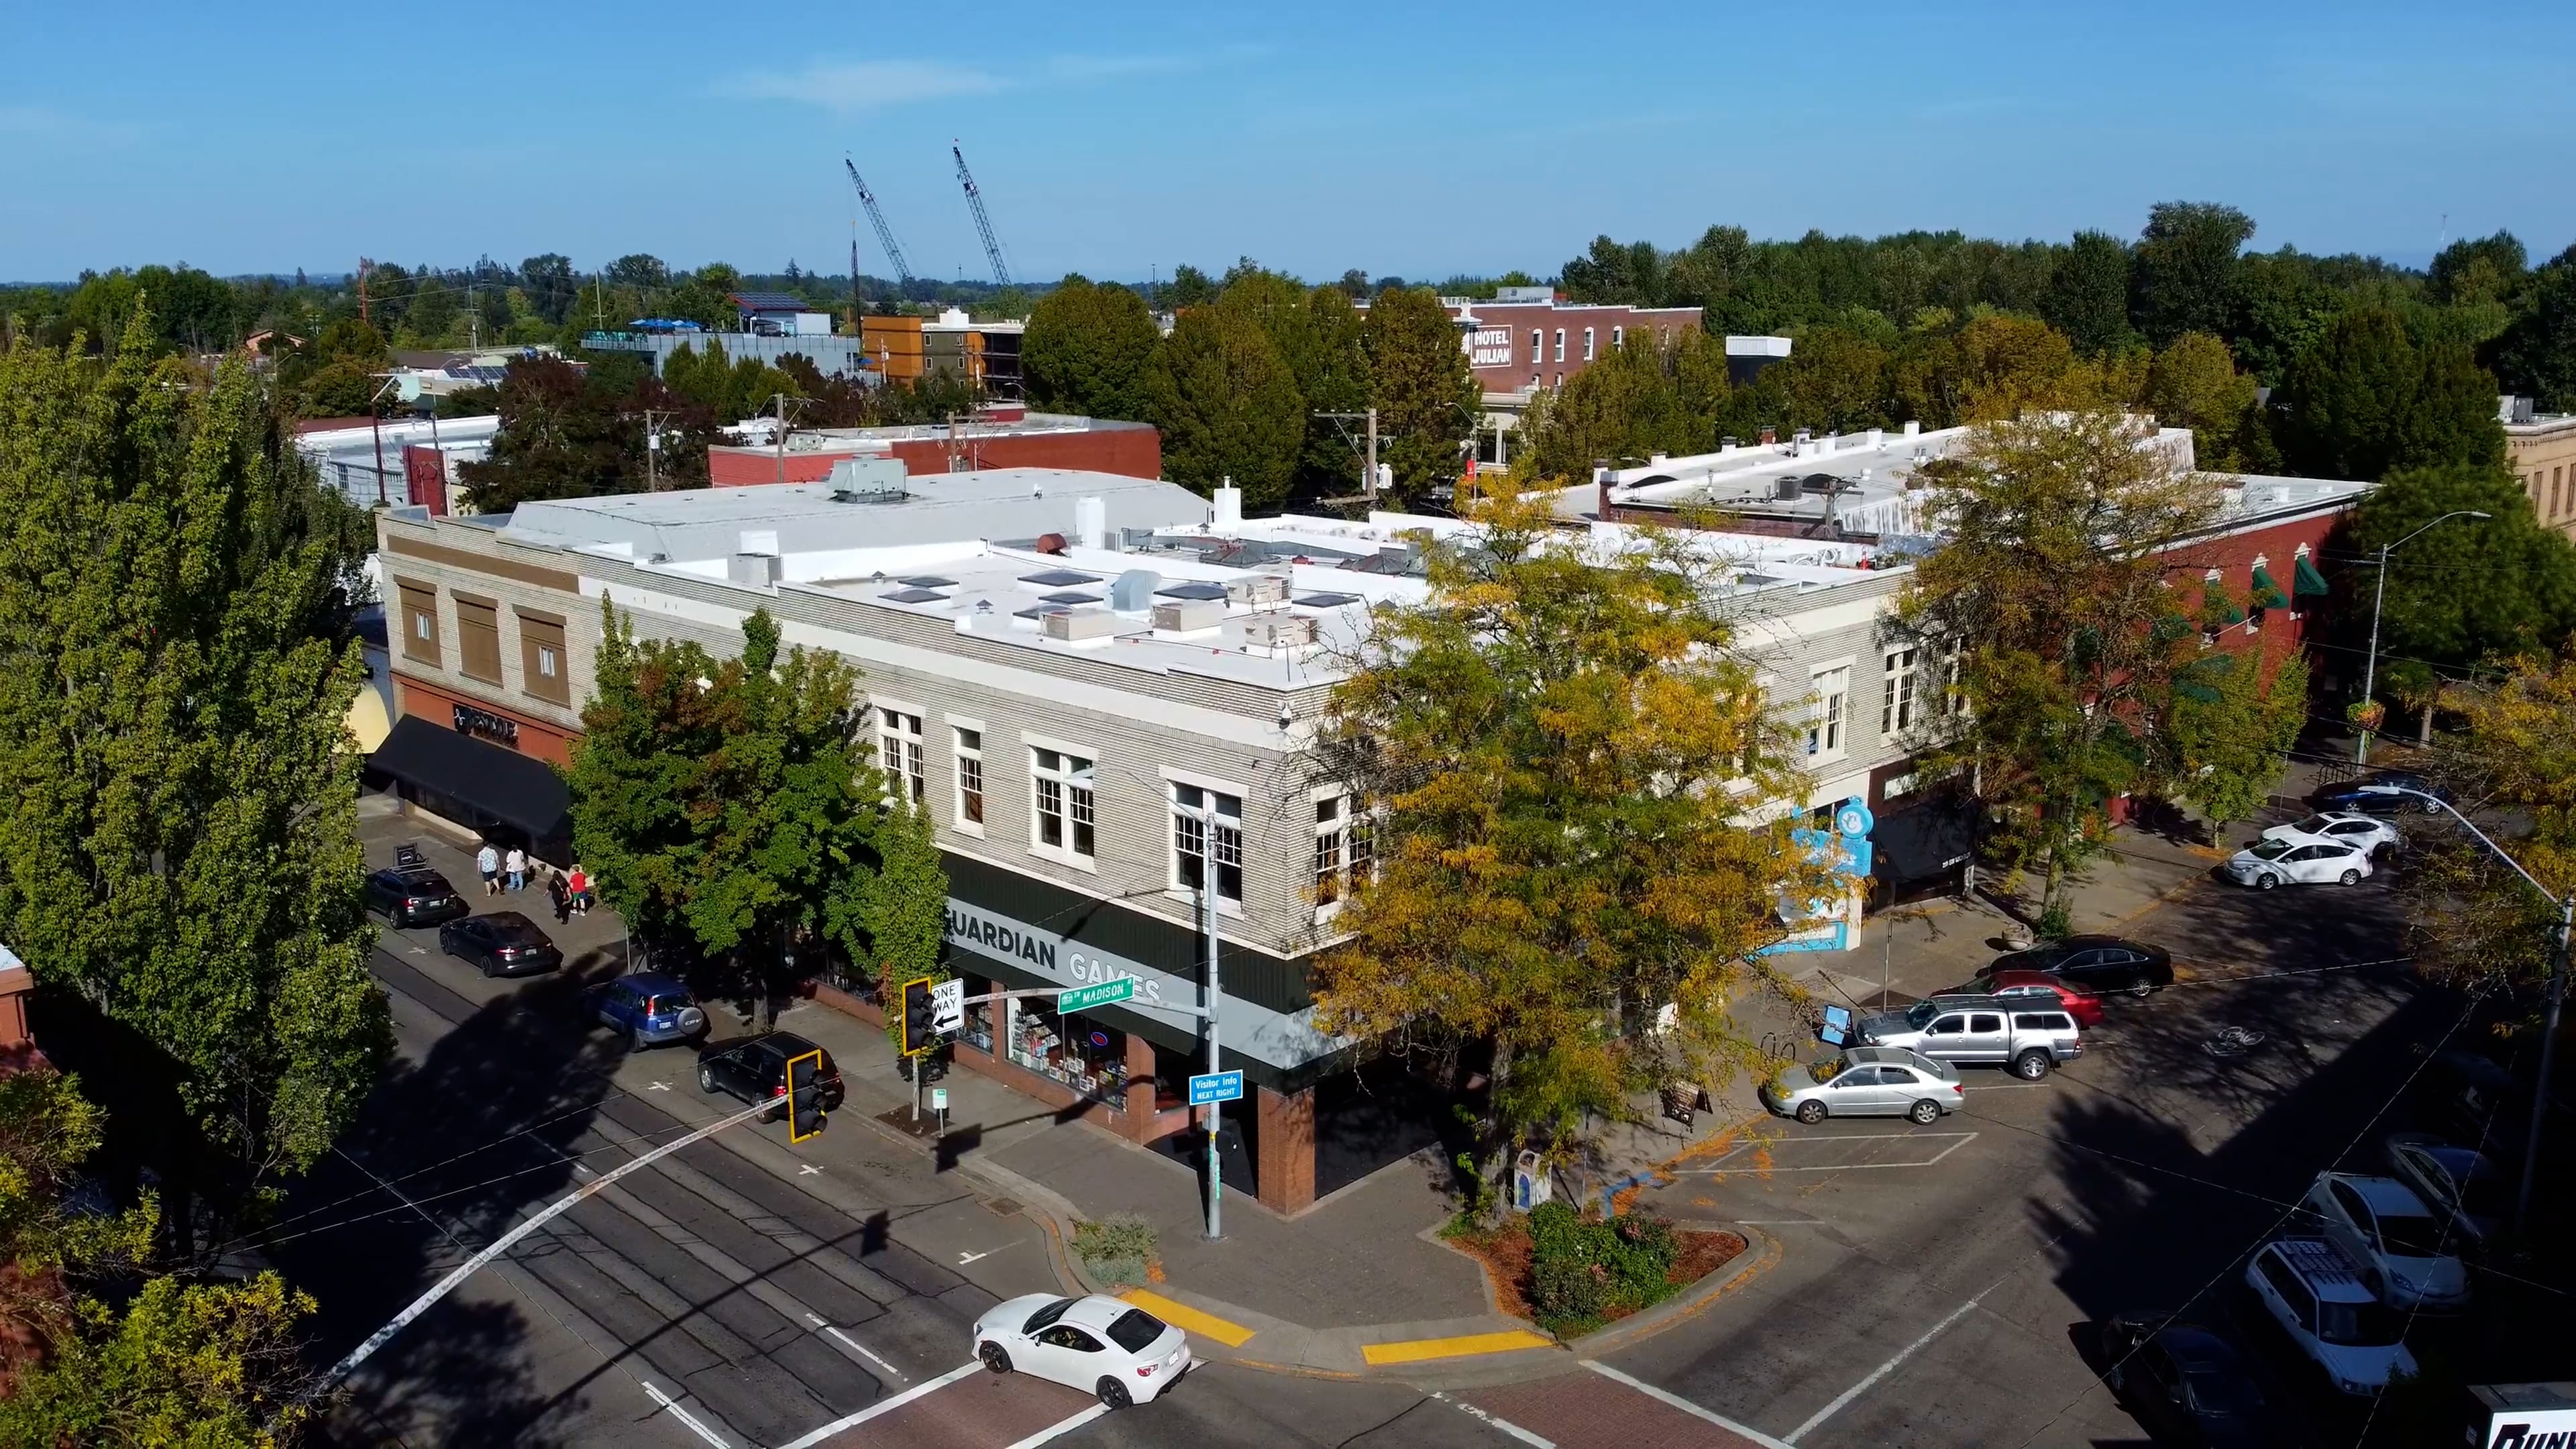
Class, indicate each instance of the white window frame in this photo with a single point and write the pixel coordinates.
(1182, 827)
(900, 744)
(1828, 712)
(964, 757)
(1560, 344)
(1077, 807)
(1618, 337)
(1587, 344)
(1901, 702)
(1538, 346)
(1344, 850)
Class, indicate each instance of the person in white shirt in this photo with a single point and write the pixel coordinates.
(517, 867)
(488, 861)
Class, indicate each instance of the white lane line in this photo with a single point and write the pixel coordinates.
(1499, 1422)
(1843, 1399)
(1959, 1140)
(1067, 1427)
(817, 1320)
(884, 1406)
(1685, 1405)
(684, 1416)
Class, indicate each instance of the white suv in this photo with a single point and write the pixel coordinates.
(2381, 1224)
(2318, 1298)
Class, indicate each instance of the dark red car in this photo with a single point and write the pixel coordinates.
(2081, 1004)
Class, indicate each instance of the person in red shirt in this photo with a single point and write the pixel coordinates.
(579, 884)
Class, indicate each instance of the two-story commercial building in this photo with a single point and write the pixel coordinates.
(1101, 688)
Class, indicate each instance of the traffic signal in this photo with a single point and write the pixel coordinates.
(804, 1096)
(918, 1037)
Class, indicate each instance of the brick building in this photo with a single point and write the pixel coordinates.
(1004, 436)
(2540, 448)
(1528, 337)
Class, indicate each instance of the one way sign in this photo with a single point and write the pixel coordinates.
(948, 1006)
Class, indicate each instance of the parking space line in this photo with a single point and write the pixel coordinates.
(1955, 1141)
(1188, 1319)
(884, 1406)
(1414, 1350)
(1498, 1421)
(684, 1416)
(1843, 1399)
(1066, 1427)
(1685, 1405)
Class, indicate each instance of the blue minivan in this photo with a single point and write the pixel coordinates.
(648, 1007)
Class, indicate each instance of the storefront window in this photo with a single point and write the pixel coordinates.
(978, 1032)
(1089, 1058)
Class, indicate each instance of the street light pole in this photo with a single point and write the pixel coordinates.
(1216, 1110)
(2370, 666)
(2558, 963)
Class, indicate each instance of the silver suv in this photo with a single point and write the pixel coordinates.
(2027, 1037)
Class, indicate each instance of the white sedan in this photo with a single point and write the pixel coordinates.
(2298, 860)
(1097, 1344)
(2374, 835)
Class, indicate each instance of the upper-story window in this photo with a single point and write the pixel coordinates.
(1538, 347)
(1560, 344)
(1618, 336)
(969, 753)
(899, 753)
(1829, 712)
(544, 670)
(1897, 711)
(1343, 850)
(1062, 814)
(1207, 842)
(419, 623)
(1587, 344)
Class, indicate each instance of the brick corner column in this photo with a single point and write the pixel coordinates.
(1136, 1122)
(1285, 1173)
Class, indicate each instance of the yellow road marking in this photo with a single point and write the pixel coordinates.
(1415, 1350)
(1188, 1319)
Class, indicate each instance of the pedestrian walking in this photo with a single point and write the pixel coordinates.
(560, 893)
(577, 889)
(488, 861)
(517, 868)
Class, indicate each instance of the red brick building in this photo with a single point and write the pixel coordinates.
(1528, 337)
(1000, 438)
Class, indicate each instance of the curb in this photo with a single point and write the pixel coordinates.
(1691, 1302)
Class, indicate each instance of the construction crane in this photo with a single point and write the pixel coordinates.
(885, 233)
(983, 223)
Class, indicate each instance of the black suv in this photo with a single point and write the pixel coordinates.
(2096, 963)
(414, 895)
(503, 943)
(754, 1068)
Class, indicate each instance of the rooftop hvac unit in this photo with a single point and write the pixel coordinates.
(1077, 626)
(1785, 488)
(1274, 632)
(1256, 590)
(1187, 616)
(1134, 591)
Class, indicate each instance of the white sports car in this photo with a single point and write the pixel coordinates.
(2374, 835)
(1097, 1344)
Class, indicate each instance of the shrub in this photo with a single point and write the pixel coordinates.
(1582, 1268)
(1565, 1290)
(1118, 1249)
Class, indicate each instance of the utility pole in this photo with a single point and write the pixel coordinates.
(364, 266)
(779, 402)
(1216, 1110)
(1371, 489)
(376, 425)
(653, 450)
(2370, 665)
(1368, 454)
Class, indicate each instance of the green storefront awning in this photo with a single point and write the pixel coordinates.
(2310, 583)
(2267, 591)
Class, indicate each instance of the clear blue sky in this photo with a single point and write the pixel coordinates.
(1110, 138)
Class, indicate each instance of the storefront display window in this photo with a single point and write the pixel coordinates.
(979, 1019)
(1081, 1054)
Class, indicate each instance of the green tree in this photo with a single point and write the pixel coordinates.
(1087, 350)
(2185, 274)
(2472, 588)
(2050, 584)
(706, 298)
(1228, 407)
(2229, 731)
(1189, 287)
(2088, 294)
(2366, 399)
(561, 436)
(729, 804)
(1318, 333)
(181, 837)
(2536, 357)
(2194, 384)
(2478, 269)
(1551, 743)
(1426, 397)
(552, 286)
(1833, 381)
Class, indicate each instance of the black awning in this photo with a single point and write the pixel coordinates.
(496, 786)
(1930, 839)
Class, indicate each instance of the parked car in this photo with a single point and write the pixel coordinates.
(2298, 861)
(2488, 1107)
(2384, 1228)
(503, 943)
(2027, 1037)
(2463, 1187)
(1104, 1346)
(1867, 1082)
(2096, 963)
(2085, 1006)
(413, 896)
(2317, 1297)
(2184, 1383)
(755, 1069)
(2357, 795)
(2376, 837)
(649, 1007)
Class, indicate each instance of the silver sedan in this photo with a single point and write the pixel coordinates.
(1867, 1082)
